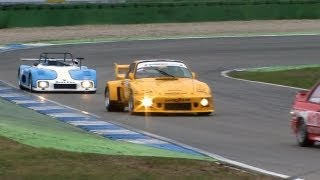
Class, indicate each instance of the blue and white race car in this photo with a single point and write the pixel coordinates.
(57, 72)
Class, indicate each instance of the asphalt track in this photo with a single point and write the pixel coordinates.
(251, 122)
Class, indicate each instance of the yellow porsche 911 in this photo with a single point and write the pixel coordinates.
(157, 86)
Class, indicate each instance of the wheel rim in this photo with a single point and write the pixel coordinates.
(30, 83)
(301, 135)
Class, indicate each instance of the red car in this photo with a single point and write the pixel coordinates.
(305, 121)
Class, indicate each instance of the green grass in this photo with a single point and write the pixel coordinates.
(34, 146)
(301, 77)
(19, 161)
(29, 127)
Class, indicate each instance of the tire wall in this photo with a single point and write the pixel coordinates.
(32, 15)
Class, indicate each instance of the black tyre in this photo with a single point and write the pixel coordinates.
(302, 135)
(20, 86)
(19, 81)
(110, 106)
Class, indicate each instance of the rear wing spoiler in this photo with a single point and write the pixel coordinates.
(29, 59)
(37, 59)
(121, 70)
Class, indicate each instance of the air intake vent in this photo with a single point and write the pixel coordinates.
(177, 106)
(65, 86)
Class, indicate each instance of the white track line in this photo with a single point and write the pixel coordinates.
(225, 74)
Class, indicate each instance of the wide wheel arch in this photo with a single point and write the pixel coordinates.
(302, 135)
(112, 105)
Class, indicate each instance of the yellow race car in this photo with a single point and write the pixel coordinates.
(157, 86)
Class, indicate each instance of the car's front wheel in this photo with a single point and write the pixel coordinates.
(131, 104)
(30, 83)
(302, 135)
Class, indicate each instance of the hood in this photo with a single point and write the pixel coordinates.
(57, 68)
(170, 86)
(62, 72)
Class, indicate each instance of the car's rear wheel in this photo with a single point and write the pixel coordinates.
(19, 81)
(302, 135)
(110, 106)
(20, 86)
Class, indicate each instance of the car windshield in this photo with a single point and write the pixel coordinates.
(162, 69)
(53, 62)
(57, 59)
(315, 96)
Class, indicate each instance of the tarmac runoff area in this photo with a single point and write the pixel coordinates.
(112, 139)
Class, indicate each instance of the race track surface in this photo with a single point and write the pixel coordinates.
(251, 122)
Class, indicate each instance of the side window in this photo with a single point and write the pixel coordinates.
(131, 70)
(315, 96)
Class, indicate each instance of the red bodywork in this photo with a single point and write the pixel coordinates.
(306, 109)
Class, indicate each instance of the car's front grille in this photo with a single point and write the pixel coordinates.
(65, 86)
(177, 106)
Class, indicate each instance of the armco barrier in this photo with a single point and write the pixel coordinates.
(30, 15)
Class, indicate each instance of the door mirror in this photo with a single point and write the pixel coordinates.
(131, 76)
(301, 95)
(194, 75)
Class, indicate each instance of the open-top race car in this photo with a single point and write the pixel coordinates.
(57, 72)
(305, 121)
(157, 86)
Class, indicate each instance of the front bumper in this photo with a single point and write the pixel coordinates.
(75, 85)
(174, 105)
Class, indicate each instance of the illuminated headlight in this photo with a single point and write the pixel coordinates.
(43, 84)
(87, 84)
(146, 102)
(204, 102)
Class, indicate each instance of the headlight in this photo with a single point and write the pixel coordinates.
(43, 84)
(87, 84)
(146, 102)
(204, 102)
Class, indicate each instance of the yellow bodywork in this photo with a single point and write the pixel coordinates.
(166, 95)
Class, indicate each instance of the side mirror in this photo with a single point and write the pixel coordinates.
(131, 76)
(193, 75)
(301, 95)
(78, 60)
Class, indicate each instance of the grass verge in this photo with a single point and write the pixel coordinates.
(34, 146)
(18, 161)
(298, 76)
(31, 128)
